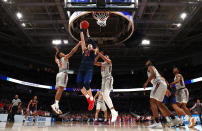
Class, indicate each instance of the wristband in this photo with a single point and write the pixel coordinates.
(81, 30)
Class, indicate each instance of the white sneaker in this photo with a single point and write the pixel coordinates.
(181, 123)
(156, 125)
(56, 109)
(114, 116)
(175, 122)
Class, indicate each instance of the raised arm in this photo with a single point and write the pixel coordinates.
(56, 59)
(72, 51)
(90, 39)
(97, 94)
(105, 58)
(83, 45)
(96, 61)
(151, 76)
(179, 78)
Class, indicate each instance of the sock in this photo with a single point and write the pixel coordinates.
(157, 119)
(172, 117)
(105, 119)
(95, 119)
(87, 96)
(56, 102)
(167, 119)
(187, 118)
(113, 111)
(91, 98)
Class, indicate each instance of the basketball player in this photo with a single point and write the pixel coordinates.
(182, 94)
(107, 82)
(85, 72)
(171, 99)
(156, 96)
(100, 105)
(62, 61)
(32, 108)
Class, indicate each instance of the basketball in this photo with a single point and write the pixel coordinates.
(85, 24)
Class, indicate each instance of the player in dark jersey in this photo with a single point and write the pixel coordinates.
(85, 72)
(32, 108)
(170, 99)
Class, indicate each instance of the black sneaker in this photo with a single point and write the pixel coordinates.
(34, 120)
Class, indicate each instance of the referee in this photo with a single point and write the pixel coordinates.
(198, 106)
(16, 103)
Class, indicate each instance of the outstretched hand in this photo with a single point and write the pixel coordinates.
(57, 50)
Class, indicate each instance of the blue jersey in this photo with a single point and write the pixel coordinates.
(88, 58)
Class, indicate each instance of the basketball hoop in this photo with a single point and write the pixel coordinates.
(101, 17)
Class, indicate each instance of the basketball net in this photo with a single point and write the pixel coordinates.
(101, 17)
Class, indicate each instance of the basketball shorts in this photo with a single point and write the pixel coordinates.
(158, 91)
(107, 84)
(101, 106)
(169, 100)
(61, 79)
(182, 95)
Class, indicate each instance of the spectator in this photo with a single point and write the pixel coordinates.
(198, 106)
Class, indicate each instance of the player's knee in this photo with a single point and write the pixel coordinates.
(152, 101)
(87, 85)
(79, 83)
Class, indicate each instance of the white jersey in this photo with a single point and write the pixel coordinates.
(63, 65)
(106, 69)
(157, 78)
(180, 84)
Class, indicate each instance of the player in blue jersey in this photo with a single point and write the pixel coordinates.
(170, 99)
(85, 72)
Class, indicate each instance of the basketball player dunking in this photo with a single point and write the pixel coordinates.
(62, 61)
(85, 72)
(156, 96)
(32, 108)
(107, 82)
(182, 94)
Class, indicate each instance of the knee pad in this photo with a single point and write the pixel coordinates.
(87, 85)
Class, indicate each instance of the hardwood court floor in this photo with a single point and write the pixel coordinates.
(75, 126)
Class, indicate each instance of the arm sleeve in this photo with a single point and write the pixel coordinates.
(92, 42)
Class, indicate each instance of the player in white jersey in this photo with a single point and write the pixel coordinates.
(107, 82)
(157, 95)
(182, 94)
(100, 106)
(62, 61)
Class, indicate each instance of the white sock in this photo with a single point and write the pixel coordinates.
(91, 98)
(56, 102)
(187, 118)
(87, 96)
(167, 119)
(95, 119)
(113, 111)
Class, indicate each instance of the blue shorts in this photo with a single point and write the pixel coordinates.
(84, 77)
(169, 100)
(32, 109)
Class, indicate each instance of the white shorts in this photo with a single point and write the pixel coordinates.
(107, 84)
(101, 105)
(61, 79)
(182, 96)
(158, 91)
